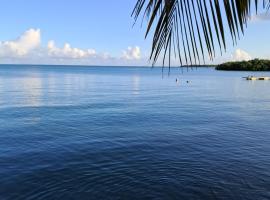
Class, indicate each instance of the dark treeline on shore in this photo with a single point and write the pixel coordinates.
(252, 65)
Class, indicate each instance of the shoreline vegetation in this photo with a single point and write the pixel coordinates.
(251, 65)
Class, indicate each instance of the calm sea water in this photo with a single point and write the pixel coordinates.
(127, 133)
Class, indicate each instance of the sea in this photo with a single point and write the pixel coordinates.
(101, 132)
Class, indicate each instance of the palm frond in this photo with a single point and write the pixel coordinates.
(193, 29)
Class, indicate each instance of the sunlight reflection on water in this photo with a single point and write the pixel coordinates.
(136, 84)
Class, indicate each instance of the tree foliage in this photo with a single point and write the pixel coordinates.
(252, 65)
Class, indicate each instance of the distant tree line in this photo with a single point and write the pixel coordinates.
(252, 65)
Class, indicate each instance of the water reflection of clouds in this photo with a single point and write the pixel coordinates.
(31, 89)
(51, 83)
(24, 91)
(72, 84)
(1, 91)
(136, 84)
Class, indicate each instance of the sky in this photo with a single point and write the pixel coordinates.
(95, 32)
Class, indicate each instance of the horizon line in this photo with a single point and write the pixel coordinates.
(137, 66)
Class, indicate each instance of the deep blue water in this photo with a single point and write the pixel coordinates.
(127, 133)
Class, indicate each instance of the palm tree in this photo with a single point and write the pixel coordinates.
(192, 29)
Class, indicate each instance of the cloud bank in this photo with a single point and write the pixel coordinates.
(21, 46)
(28, 48)
(260, 17)
(68, 52)
(241, 55)
(132, 53)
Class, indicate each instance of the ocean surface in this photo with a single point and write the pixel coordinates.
(70, 132)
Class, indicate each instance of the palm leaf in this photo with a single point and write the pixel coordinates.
(193, 28)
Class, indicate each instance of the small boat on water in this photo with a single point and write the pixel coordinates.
(253, 78)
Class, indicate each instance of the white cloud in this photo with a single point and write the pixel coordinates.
(260, 17)
(21, 46)
(68, 52)
(27, 49)
(132, 53)
(240, 55)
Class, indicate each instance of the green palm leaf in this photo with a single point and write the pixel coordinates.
(193, 28)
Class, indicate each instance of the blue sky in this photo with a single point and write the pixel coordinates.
(103, 27)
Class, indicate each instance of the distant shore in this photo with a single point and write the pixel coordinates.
(252, 65)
